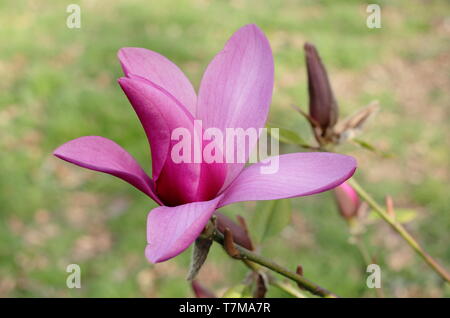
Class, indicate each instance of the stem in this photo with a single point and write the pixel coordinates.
(284, 286)
(247, 255)
(398, 227)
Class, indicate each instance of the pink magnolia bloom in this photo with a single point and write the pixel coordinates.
(235, 92)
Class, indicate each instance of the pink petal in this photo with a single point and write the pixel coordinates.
(104, 155)
(170, 230)
(160, 71)
(160, 115)
(299, 174)
(151, 105)
(236, 89)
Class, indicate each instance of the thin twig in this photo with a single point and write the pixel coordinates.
(247, 255)
(398, 227)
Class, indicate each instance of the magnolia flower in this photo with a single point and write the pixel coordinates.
(235, 92)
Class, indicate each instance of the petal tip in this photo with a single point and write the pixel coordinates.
(121, 53)
(151, 257)
(252, 30)
(251, 26)
(353, 162)
(122, 80)
(56, 152)
(60, 151)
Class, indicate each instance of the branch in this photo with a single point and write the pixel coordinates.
(246, 255)
(398, 227)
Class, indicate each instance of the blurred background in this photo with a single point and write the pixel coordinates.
(60, 83)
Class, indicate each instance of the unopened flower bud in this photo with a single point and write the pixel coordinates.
(240, 234)
(322, 104)
(347, 200)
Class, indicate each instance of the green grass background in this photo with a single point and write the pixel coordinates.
(58, 84)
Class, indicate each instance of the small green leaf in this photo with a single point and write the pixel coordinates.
(287, 136)
(370, 147)
(365, 145)
(271, 218)
(405, 215)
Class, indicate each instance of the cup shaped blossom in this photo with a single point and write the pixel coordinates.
(235, 92)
